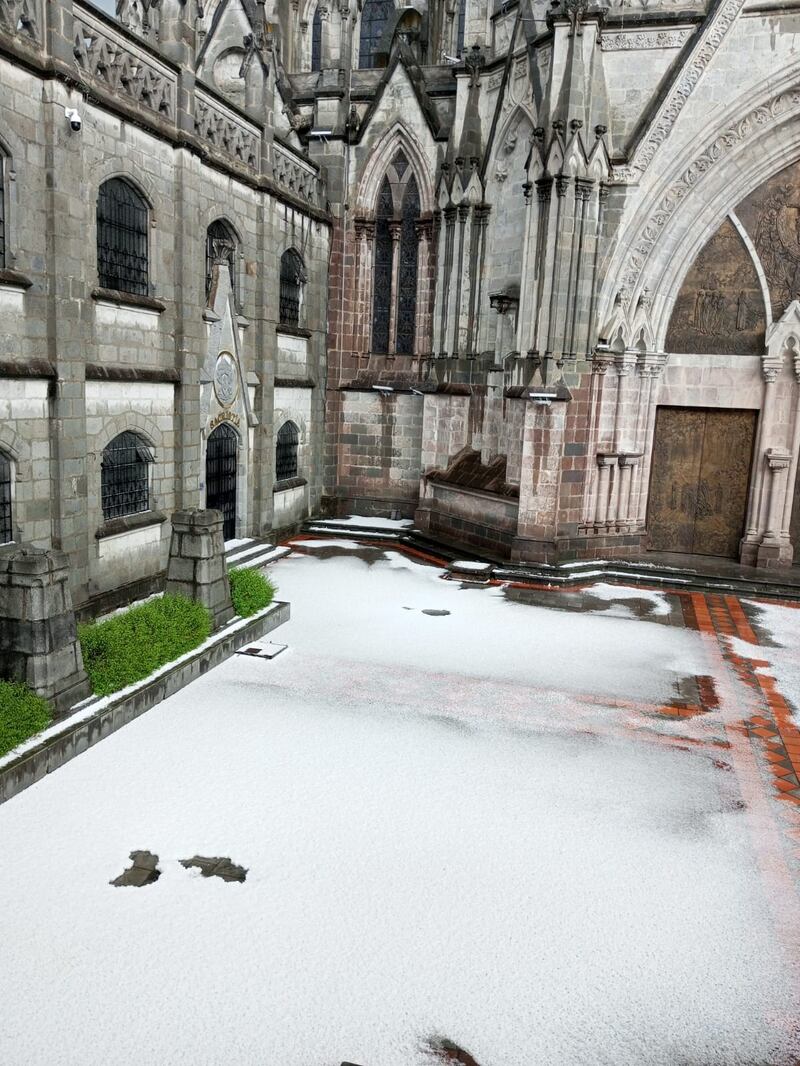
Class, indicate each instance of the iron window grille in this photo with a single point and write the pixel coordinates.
(286, 451)
(122, 238)
(125, 476)
(2, 213)
(220, 246)
(221, 469)
(293, 277)
(6, 528)
(316, 41)
(374, 17)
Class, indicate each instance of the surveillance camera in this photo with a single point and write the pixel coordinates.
(75, 120)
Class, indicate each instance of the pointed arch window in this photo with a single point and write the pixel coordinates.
(6, 527)
(286, 451)
(122, 238)
(316, 41)
(293, 277)
(220, 247)
(396, 257)
(461, 27)
(374, 16)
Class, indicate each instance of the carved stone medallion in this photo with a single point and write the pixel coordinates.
(225, 384)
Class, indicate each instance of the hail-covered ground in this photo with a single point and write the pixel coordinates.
(468, 824)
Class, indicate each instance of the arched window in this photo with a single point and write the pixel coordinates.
(293, 277)
(374, 16)
(122, 238)
(286, 451)
(394, 296)
(407, 279)
(382, 278)
(461, 27)
(220, 247)
(125, 476)
(6, 528)
(316, 41)
(2, 212)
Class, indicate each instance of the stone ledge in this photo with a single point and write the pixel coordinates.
(295, 383)
(289, 483)
(98, 717)
(292, 331)
(116, 372)
(114, 526)
(128, 299)
(15, 279)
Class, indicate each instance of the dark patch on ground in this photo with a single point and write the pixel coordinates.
(216, 867)
(143, 871)
(582, 601)
(446, 1051)
(434, 613)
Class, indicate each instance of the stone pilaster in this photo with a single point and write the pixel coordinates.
(197, 568)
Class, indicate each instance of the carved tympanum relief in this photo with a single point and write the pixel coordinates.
(720, 308)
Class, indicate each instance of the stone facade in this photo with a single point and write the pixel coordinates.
(527, 230)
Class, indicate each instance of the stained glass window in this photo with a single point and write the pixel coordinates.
(316, 41)
(374, 17)
(461, 27)
(407, 279)
(2, 215)
(382, 283)
(122, 238)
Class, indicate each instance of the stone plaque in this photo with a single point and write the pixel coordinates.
(225, 384)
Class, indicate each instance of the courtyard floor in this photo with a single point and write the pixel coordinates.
(551, 827)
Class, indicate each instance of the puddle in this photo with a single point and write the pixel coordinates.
(216, 867)
(143, 871)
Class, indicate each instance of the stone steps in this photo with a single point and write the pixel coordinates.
(254, 553)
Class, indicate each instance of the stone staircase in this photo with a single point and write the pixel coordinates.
(252, 553)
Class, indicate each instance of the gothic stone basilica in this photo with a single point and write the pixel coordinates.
(525, 271)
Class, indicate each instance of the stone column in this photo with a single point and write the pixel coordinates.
(601, 515)
(396, 230)
(771, 366)
(197, 568)
(775, 549)
(38, 636)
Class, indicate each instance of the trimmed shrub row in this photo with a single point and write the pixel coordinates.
(22, 713)
(250, 591)
(131, 646)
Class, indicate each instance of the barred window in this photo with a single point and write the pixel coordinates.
(122, 238)
(316, 41)
(374, 16)
(125, 476)
(6, 528)
(293, 277)
(461, 27)
(2, 213)
(220, 247)
(286, 451)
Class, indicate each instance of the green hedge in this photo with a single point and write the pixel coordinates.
(250, 591)
(130, 646)
(22, 713)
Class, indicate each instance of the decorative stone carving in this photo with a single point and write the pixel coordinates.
(295, 176)
(754, 123)
(225, 379)
(226, 132)
(713, 35)
(122, 69)
(639, 40)
(18, 17)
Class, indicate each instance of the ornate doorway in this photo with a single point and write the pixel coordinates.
(700, 478)
(221, 462)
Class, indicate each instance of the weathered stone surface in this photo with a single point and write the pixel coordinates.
(197, 568)
(216, 867)
(142, 871)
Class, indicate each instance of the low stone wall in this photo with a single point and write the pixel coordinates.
(87, 726)
(481, 521)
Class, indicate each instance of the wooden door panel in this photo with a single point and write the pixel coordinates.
(700, 479)
(723, 483)
(677, 453)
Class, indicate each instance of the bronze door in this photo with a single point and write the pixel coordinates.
(699, 481)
